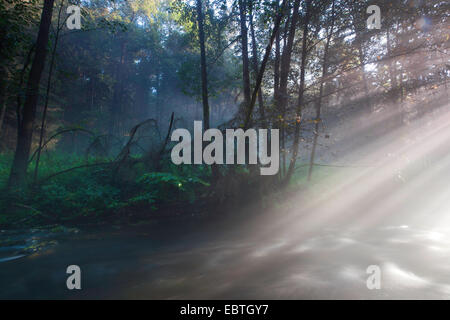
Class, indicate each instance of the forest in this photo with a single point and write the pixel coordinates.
(354, 96)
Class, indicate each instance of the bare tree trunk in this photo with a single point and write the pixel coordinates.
(3, 83)
(201, 35)
(300, 94)
(47, 94)
(286, 59)
(285, 67)
(3, 75)
(2, 115)
(357, 25)
(361, 56)
(25, 133)
(244, 45)
(276, 72)
(255, 67)
(398, 119)
(276, 85)
(319, 101)
(116, 126)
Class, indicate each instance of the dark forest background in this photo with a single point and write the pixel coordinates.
(86, 115)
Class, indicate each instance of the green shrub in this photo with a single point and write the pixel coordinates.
(96, 190)
(168, 187)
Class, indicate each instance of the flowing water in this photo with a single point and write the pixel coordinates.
(210, 260)
(393, 214)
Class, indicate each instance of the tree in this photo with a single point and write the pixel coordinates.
(255, 62)
(244, 48)
(259, 77)
(300, 100)
(329, 35)
(282, 96)
(25, 131)
(204, 73)
(47, 93)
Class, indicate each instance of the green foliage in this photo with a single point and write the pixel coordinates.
(15, 18)
(75, 197)
(5, 161)
(167, 187)
(96, 191)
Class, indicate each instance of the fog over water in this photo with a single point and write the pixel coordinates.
(382, 208)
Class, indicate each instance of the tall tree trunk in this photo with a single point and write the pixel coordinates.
(201, 35)
(117, 102)
(276, 71)
(3, 112)
(319, 101)
(244, 45)
(3, 75)
(357, 26)
(276, 83)
(47, 93)
(398, 119)
(361, 56)
(3, 84)
(285, 67)
(25, 133)
(255, 66)
(300, 94)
